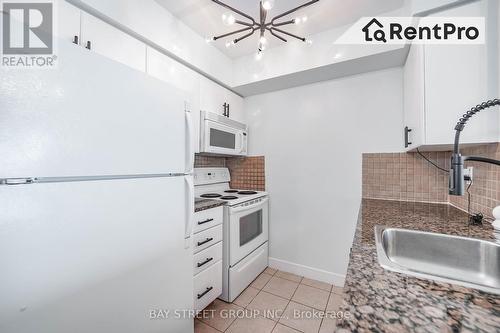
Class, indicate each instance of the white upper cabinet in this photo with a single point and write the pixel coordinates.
(212, 96)
(442, 82)
(110, 42)
(166, 69)
(235, 106)
(79, 27)
(217, 99)
(68, 23)
(414, 92)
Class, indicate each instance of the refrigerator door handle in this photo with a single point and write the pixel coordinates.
(189, 142)
(17, 181)
(189, 206)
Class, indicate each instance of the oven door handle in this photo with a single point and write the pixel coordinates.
(240, 209)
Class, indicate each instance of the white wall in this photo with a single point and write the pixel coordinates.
(313, 137)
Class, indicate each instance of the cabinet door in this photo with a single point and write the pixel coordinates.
(68, 23)
(456, 79)
(212, 96)
(166, 69)
(113, 43)
(235, 106)
(414, 96)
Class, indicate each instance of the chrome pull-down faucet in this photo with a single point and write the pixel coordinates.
(457, 180)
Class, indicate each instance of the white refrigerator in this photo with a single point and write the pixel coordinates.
(96, 199)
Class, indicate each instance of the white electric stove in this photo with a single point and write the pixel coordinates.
(246, 223)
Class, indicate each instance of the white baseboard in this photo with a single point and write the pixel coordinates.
(308, 272)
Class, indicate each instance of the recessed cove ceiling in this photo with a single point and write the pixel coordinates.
(205, 18)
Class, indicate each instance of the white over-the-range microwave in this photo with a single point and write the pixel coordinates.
(222, 136)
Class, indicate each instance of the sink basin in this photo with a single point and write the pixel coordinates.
(469, 262)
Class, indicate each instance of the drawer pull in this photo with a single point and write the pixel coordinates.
(205, 262)
(205, 292)
(206, 221)
(205, 241)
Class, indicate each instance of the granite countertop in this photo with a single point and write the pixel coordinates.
(203, 204)
(383, 301)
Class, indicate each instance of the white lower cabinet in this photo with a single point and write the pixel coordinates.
(207, 257)
(207, 219)
(207, 286)
(207, 238)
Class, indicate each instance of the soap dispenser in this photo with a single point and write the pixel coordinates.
(496, 223)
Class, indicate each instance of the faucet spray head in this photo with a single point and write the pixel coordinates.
(456, 182)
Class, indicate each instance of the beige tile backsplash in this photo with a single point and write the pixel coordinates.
(393, 176)
(485, 191)
(247, 173)
(202, 161)
(408, 177)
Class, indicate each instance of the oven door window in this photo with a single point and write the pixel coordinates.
(222, 139)
(250, 227)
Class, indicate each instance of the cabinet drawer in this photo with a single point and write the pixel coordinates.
(206, 258)
(207, 286)
(207, 238)
(207, 219)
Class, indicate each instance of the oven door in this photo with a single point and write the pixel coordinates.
(248, 228)
(221, 139)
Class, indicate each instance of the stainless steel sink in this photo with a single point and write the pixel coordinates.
(469, 262)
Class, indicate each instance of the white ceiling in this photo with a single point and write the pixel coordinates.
(204, 17)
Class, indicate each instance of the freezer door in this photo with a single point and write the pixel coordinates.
(96, 256)
(90, 116)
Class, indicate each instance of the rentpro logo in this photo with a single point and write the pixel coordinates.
(374, 30)
(416, 30)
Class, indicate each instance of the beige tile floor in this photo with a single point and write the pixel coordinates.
(270, 303)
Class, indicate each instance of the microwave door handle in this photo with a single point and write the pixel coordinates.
(241, 142)
(240, 209)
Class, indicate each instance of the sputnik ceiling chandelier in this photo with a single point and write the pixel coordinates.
(260, 25)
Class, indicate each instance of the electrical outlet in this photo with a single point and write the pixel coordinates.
(468, 174)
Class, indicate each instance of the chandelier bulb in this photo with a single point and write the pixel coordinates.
(268, 4)
(228, 19)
